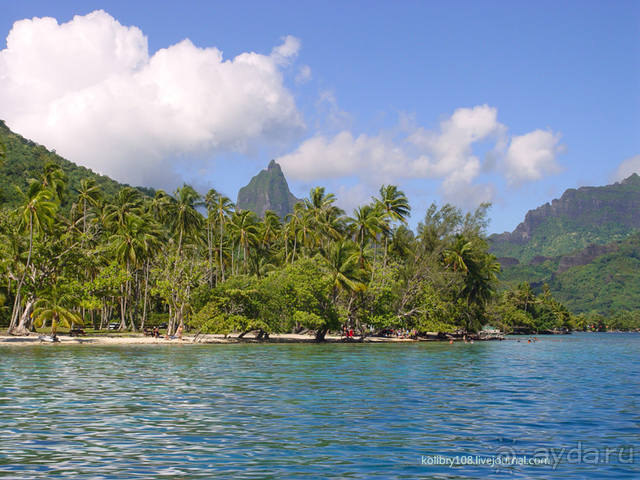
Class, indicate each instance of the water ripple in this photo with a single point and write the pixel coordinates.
(317, 411)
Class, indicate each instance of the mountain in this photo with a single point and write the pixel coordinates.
(581, 217)
(268, 190)
(26, 159)
(584, 245)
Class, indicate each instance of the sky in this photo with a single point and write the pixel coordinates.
(459, 102)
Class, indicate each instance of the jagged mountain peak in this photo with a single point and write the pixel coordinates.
(268, 190)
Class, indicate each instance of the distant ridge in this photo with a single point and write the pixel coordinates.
(579, 218)
(585, 246)
(268, 190)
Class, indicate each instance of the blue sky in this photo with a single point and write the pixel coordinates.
(511, 102)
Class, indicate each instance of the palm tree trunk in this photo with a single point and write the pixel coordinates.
(122, 308)
(144, 300)
(221, 261)
(24, 326)
(16, 302)
(210, 242)
(84, 218)
(295, 244)
(386, 250)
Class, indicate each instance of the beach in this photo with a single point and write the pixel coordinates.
(141, 339)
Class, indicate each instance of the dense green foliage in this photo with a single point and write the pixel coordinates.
(521, 311)
(77, 249)
(605, 285)
(135, 258)
(268, 190)
(555, 246)
(26, 159)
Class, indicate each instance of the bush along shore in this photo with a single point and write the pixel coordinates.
(196, 262)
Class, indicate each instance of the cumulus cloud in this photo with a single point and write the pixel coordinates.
(446, 153)
(532, 156)
(90, 89)
(626, 168)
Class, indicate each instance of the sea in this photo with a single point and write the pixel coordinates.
(565, 406)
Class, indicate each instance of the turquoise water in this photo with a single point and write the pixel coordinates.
(317, 411)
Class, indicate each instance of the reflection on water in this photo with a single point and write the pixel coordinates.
(293, 411)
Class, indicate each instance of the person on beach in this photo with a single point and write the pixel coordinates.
(179, 332)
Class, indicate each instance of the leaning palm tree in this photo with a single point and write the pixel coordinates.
(36, 215)
(54, 306)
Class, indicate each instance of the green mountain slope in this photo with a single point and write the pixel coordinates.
(602, 279)
(268, 190)
(25, 159)
(585, 246)
(581, 217)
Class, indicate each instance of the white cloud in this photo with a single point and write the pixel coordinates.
(450, 149)
(350, 197)
(626, 168)
(532, 156)
(446, 154)
(284, 54)
(89, 89)
(304, 74)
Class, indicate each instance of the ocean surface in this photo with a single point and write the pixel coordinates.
(419, 410)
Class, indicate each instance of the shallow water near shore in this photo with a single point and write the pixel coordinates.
(317, 411)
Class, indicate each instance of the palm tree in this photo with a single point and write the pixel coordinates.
(396, 207)
(459, 255)
(36, 214)
(366, 223)
(290, 232)
(131, 244)
(128, 203)
(186, 221)
(269, 229)
(244, 231)
(223, 208)
(89, 193)
(53, 178)
(480, 273)
(210, 200)
(54, 306)
(341, 260)
(322, 212)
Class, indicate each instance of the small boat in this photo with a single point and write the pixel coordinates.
(48, 338)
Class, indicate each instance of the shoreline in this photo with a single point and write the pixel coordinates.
(210, 339)
(219, 339)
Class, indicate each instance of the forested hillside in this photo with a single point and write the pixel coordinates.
(25, 159)
(584, 246)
